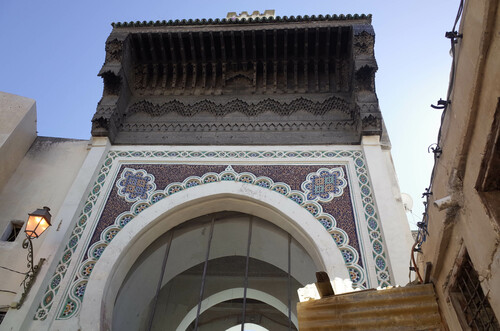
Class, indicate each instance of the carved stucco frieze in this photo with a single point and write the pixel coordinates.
(114, 50)
(237, 105)
(365, 67)
(363, 40)
(371, 119)
(239, 127)
(112, 83)
(365, 78)
(363, 44)
(106, 120)
(372, 124)
(101, 119)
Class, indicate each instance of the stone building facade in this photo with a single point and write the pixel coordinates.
(461, 234)
(230, 160)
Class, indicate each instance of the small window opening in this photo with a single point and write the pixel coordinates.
(488, 184)
(472, 306)
(12, 231)
(2, 316)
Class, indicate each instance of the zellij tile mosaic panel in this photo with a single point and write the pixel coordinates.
(322, 189)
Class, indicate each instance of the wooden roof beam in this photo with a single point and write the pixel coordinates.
(183, 60)
(223, 54)
(165, 62)
(222, 46)
(306, 59)
(212, 47)
(338, 79)
(264, 61)
(275, 60)
(172, 49)
(243, 50)
(214, 60)
(339, 42)
(285, 59)
(254, 58)
(296, 60)
(145, 69)
(142, 48)
(316, 59)
(202, 48)
(181, 47)
(194, 63)
(203, 60)
(327, 59)
(348, 73)
(234, 61)
(174, 60)
(254, 46)
(162, 48)
(154, 59)
(193, 48)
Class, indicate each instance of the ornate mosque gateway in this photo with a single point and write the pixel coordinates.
(231, 159)
(304, 80)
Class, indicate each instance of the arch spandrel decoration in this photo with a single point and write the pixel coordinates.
(82, 266)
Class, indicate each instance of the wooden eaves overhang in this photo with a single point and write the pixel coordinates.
(240, 82)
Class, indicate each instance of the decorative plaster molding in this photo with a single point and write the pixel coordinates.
(237, 105)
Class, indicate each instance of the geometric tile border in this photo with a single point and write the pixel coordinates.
(74, 295)
(62, 267)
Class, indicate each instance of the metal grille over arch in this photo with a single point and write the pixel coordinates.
(132, 240)
(259, 288)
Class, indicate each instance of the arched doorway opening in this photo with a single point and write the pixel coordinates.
(214, 272)
(122, 252)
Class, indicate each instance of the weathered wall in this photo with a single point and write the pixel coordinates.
(466, 132)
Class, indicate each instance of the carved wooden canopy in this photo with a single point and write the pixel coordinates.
(291, 80)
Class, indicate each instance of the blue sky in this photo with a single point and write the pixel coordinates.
(53, 50)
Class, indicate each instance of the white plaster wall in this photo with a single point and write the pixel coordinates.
(17, 132)
(396, 231)
(42, 178)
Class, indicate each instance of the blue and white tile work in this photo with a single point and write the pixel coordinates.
(333, 185)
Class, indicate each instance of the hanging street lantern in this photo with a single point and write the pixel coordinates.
(38, 222)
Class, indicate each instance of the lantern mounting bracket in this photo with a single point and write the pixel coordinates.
(30, 275)
(38, 222)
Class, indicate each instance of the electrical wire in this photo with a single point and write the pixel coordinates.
(422, 226)
(9, 269)
(8, 291)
